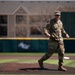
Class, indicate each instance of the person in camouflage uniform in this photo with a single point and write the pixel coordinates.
(55, 30)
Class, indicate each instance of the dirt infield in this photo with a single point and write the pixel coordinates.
(33, 68)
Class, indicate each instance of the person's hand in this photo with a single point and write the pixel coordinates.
(47, 35)
(67, 36)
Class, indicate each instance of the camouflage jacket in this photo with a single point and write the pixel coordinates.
(55, 29)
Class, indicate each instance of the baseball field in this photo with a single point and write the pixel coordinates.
(27, 64)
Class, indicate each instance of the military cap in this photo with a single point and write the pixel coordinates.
(57, 13)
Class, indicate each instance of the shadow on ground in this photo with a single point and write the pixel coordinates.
(33, 68)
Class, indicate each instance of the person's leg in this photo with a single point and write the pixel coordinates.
(52, 46)
(61, 56)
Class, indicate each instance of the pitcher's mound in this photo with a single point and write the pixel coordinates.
(33, 68)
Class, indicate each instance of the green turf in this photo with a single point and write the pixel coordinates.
(7, 60)
(36, 53)
(17, 60)
(70, 63)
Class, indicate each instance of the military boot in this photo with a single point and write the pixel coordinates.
(61, 68)
(40, 62)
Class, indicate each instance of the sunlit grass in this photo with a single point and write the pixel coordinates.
(69, 63)
(35, 53)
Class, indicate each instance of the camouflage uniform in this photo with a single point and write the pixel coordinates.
(56, 30)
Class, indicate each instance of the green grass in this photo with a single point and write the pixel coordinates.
(17, 60)
(70, 63)
(25, 53)
(36, 53)
(7, 60)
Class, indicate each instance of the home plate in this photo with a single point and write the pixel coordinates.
(66, 58)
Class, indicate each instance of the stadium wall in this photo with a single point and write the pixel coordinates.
(32, 45)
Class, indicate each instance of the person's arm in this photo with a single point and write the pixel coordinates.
(47, 29)
(46, 32)
(64, 32)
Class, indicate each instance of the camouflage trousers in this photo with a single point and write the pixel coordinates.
(52, 46)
